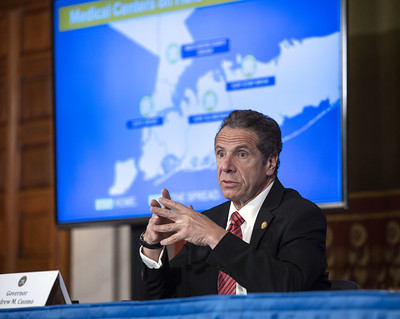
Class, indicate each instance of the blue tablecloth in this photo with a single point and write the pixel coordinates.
(335, 304)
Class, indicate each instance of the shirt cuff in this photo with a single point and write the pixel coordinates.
(150, 263)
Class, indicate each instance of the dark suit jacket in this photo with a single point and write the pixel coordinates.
(287, 255)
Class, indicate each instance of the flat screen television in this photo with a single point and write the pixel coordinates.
(141, 87)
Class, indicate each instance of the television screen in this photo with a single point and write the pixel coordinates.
(141, 87)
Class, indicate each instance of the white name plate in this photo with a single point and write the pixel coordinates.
(32, 289)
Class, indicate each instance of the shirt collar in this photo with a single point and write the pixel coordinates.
(250, 211)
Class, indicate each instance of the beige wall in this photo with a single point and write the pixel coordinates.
(100, 268)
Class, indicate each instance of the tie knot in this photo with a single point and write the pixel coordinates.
(237, 219)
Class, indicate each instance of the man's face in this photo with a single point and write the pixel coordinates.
(242, 175)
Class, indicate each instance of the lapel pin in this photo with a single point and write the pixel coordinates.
(264, 225)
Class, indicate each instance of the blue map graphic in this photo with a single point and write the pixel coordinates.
(138, 115)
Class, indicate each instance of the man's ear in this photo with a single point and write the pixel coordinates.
(270, 165)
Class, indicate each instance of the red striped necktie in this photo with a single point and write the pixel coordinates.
(226, 284)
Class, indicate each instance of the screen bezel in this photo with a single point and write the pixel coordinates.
(142, 221)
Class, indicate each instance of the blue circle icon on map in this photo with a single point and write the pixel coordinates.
(146, 106)
(173, 53)
(210, 101)
(249, 65)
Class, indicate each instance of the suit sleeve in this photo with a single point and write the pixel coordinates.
(290, 256)
(165, 282)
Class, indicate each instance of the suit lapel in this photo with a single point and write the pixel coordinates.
(220, 214)
(264, 218)
(266, 215)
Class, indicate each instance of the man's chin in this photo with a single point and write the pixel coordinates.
(230, 195)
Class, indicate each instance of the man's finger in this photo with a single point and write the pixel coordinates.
(171, 204)
(154, 203)
(163, 212)
(165, 194)
(164, 228)
(171, 239)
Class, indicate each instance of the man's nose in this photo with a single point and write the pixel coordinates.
(228, 164)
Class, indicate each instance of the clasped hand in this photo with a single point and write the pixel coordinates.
(173, 222)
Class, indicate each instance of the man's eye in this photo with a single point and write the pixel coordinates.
(220, 154)
(242, 155)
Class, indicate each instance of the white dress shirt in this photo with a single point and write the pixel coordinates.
(249, 213)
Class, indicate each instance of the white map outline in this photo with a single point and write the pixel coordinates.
(300, 64)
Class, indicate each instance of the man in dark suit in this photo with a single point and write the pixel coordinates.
(266, 238)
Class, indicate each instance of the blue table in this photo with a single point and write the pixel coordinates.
(335, 304)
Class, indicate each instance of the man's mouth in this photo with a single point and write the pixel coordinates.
(228, 183)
